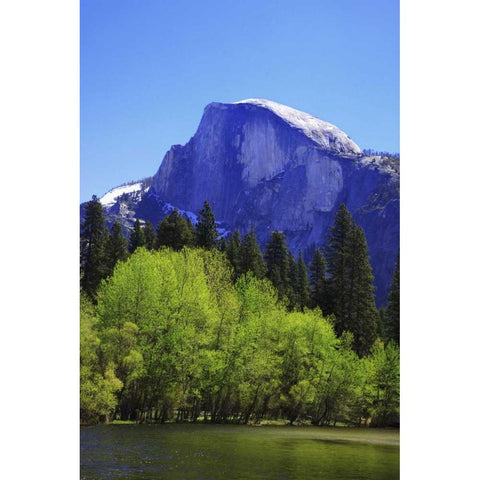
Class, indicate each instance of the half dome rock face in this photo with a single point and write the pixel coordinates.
(241, 146)
(265, 165)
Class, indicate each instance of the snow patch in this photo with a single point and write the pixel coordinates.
(111, 196)
(324, 134)
(168, 208)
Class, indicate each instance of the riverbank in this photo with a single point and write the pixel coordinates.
(386, 436)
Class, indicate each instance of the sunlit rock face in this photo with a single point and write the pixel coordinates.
(246, 152)
(262, 164)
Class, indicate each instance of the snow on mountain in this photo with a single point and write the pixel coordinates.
(111, 196)
(324, 134)
(169, 208)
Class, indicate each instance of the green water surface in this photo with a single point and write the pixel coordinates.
(210, 452)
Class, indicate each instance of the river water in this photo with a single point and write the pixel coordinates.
(211, 452)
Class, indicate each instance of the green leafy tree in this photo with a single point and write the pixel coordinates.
(116, 249)
(254, 347)
(381, 391)
(155, 313)
(277, 262)
(137, 237)
(175, 231)
(216, 376)
(134, 305)
(251, 259)
(333, 364)
(93, 239)
(98, 386)
(393, 307)
(150, 235)
(206, 228)
(313, 380)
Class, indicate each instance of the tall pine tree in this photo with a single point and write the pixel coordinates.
(302, 283)
(318, 281)
(337, 256)
(233, 252)
(292, 290)
(222, 245)
(93, 239)
(393, 307)
(251, 259)
(276, 259)
(362, 314)
(350, 282)
(137, 237)
(206, 228)
(150, 235)
(116, 250)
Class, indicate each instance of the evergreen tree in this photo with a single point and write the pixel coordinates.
(116, 247)
(292, 291)
(189, 238)
(276, 259)
(206, 229)
(175, 231)
(233, 252)
(302, 283)
(337, 258)
(382, 325)
(251, 259)
(150, 235)
(393, 307)
(361, 314)
(137, 237)
(350, 282)
(318, 281)
(93, 238)
(222, 245)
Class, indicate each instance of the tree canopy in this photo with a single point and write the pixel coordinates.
(173, 338)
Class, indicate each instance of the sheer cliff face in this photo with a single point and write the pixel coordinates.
(262, 164)
(244, 149)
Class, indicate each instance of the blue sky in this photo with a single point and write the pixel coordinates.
(148, 68)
